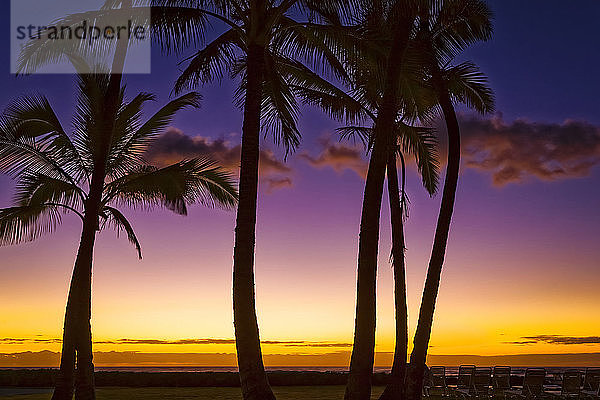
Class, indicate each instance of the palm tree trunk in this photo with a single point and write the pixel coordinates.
(77, 313)
(253, 378)
(432, 283)
(395, 389)
(363, 350)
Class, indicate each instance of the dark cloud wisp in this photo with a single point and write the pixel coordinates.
(202, 341)
(174, 145)
(521, 151)
(339, 156)
(558, 339)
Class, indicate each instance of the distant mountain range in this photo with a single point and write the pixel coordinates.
(45, 359)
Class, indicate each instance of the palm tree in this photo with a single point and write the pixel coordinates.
(35, 54)
(415, 101)
(465, 85)
(446, 27)
(56, 173)
(261, 45)
(378, 75)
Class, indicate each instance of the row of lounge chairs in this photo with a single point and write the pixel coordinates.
(486, 383)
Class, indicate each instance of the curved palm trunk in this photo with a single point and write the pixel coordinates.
(254, 382)
(363, 351)
(432, 283)
(76, 363)
(77, 322)
(395, 389)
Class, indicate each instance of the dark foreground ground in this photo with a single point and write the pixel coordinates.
(282, 393)
(287, 385)
(44, 378)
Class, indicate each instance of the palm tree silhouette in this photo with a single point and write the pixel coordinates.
(389, 62)
(55, 172)
(446, 27)
(262, 45)
(377, 71)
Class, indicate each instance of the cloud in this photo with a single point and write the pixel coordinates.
(202, 341)
(515, 152)
(174, 145)
(172, 342)
(339, 156)
(521, 151)
(274, 184)
(22, 341)
(558, 339)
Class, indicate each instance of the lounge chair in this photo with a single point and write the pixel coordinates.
(570, 386)
(500, 382)
(533, 385)
(437, 386)
(591, 384)
(464, 382)
(482, 381)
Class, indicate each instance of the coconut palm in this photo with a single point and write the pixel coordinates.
(415, 101)
(261, 45)
(466, 85)
(56, 172)
(446, 27)
(377, 73)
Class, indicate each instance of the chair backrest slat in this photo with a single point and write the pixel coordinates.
(591, 382)
(438, 376)
(465, 376)
(501, 378)
(482, 380)
(533, 383)
(571, 382)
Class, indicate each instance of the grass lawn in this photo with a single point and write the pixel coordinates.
(282, 393)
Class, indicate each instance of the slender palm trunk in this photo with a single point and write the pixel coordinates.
(363, 351)
(254, 382)
(432, 283)
(395, 389)
(78, 311)
(361, 363)
(76, 364)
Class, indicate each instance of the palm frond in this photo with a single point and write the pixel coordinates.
(325, 47)
(361, 133)
(422, 143)
(210, 63)
(90, 115)
(32, 140)
(38, 53)
(279, 107)
(468, 85)
(120, 223)
(36, 189)
(180, 24)
(127, 152)
(27, 223)
(457, 24)
(175, 186)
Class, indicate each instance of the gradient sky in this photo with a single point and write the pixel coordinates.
(523, 263)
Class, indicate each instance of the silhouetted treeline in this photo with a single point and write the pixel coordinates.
(46, 378)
